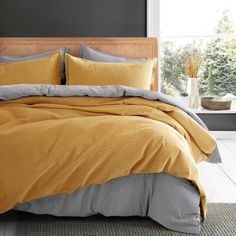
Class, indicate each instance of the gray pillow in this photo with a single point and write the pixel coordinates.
(93, 55)
(5, 59)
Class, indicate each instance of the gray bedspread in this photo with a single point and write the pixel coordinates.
(172, 202)
(9, 92)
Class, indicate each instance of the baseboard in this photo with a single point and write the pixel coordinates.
(224, 134)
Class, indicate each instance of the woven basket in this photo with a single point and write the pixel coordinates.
(213, 105)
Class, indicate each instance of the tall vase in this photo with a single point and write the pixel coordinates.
(194, 99)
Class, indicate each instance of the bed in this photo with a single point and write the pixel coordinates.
(140, 148)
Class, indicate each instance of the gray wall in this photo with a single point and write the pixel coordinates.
(63, 18)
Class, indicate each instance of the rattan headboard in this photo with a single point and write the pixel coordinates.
(122, 46)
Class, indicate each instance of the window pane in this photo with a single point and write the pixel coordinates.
(196, 17)
(217, 65)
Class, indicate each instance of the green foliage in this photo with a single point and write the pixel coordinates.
(172, 69)
(218, 69)
(176, 66)
(184, 94)
(225, 25)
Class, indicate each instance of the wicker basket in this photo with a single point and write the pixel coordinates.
(215, 105)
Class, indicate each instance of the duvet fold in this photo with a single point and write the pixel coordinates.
(54, 145)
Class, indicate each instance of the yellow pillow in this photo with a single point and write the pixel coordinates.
(84, 72)
(45, 70)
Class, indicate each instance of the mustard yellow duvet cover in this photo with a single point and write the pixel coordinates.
(56, 144)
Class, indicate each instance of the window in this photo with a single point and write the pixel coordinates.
(203, 31)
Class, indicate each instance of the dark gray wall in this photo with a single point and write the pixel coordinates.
(220, 121)
(62, 18)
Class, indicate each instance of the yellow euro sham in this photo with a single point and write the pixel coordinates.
(84, 72)
(45, 70)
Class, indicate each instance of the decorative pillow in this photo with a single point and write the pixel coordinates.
(93, 55)
(5, 59)
(84, 72)
(45, 70)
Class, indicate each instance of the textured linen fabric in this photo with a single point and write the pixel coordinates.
(24, 90)
(63, 50)
(43, 70)
(94, 55)
(220, 222)
(168, 200)
(85, 72)
(86, 140)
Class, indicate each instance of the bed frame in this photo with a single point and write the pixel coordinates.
(121, 46)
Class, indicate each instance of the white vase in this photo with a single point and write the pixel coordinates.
(194, 99)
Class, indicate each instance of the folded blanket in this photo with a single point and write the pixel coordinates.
(56, 139)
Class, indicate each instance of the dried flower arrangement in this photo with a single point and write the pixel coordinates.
(193, 62)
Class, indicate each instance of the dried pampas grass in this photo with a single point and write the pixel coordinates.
(193, 63)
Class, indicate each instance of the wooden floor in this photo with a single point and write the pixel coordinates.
(219, 180)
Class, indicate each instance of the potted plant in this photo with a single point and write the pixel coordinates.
(192, 66)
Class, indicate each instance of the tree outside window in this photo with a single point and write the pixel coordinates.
(218, 68)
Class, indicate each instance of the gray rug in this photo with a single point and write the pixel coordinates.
(221, 221)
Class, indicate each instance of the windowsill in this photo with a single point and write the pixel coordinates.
(202, 110)
(221, 120)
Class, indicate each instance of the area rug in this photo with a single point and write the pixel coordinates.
(221, 221)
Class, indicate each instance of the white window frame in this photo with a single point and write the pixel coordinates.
(153, 30)
(153, 18)
(153, 26)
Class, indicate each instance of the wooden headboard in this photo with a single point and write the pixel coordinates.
(121, 46)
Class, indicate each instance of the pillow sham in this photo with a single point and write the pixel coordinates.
(84, 72)
(44, 70)
(94, 55)
(5, 59)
